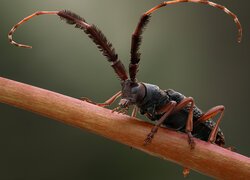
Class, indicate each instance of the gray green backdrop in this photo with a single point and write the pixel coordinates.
(191, 48)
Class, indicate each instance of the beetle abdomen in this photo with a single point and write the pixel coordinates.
(178, 121)
(203, 130)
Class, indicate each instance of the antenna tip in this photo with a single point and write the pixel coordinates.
(24, 46)
(239, 39)
(19, 45)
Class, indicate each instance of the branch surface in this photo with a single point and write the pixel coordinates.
(206, 158)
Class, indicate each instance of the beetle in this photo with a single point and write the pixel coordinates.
(167, 107)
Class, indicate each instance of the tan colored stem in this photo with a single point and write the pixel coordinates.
(206, 158)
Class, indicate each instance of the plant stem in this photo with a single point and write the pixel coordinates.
(206, 158)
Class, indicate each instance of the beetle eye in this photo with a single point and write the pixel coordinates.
(134, 90)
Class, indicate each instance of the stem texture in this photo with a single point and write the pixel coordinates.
(206, 158)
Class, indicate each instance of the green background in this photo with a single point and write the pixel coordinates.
(191, 48)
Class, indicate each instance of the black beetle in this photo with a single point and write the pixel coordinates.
(167, 107)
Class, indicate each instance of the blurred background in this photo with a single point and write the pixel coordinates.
(188, 47)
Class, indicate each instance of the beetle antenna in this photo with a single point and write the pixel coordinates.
(137, 35)
(13, 29)
(91, 30)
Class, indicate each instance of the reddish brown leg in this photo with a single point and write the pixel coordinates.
(168, 109)
(210, 114)
(185, 171)
(189, 124)
(106, 103)
(134, 112)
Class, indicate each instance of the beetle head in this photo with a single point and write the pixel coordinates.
(132, 93)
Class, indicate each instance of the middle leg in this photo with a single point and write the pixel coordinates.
(189, 124)
(168, 109)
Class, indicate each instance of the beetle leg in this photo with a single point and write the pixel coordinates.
(185, 171)
(134, 112)
(210, 114)
(120, 109)
(106, 103)
(167, 109)
(123, 110)
(116, 109)
(189, 125)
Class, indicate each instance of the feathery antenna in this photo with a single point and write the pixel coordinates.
(137, 35)
(91, 30)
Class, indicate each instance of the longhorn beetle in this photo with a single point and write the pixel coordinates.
(167, 107)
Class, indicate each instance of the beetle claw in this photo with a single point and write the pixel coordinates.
(191, 140)
(185, 172)
(116, 109)
(87, 100)
(149, 138)
(122, 110)
(92, 102)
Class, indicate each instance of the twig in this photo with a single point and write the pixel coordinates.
(206, 158)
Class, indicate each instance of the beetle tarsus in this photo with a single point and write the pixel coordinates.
(87, 100)
(191, 140)
(186, 172)
(148, 139)
(150, 136)
(116, 109)
(92, 102)
(123, 110)
(120, 109)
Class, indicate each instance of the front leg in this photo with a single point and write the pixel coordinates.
(106, 103)
(134, 112)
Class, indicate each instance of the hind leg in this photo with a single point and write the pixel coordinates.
(210, 114)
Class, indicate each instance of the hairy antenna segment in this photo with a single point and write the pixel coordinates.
(91, 30)
(137, 35)
(223, 8)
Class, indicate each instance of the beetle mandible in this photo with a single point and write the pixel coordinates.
(167, 107)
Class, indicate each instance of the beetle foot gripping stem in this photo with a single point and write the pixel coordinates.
(120, 109)
(186, 172)
(191, 140)
(150, 136)
(92, 102)
(87, 100)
